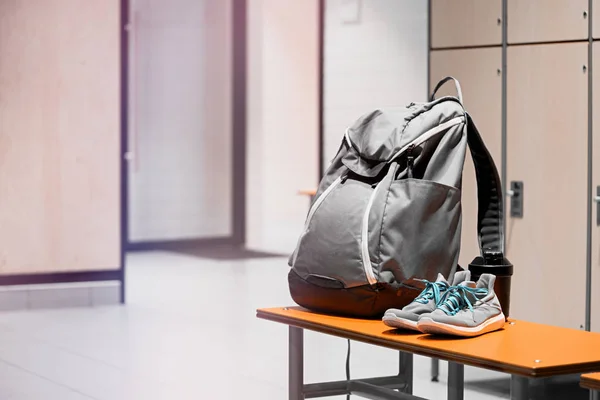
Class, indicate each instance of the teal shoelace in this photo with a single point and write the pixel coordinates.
(433, 291)
(457, 298)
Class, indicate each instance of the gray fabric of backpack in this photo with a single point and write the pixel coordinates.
(388, 209)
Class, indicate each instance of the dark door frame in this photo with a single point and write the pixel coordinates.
(239, 120)
(321, 49)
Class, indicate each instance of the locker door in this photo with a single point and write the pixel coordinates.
(596, 19)
(459, 23)
(547, 151)
(547, 20)
(479, 73)
(595, 185)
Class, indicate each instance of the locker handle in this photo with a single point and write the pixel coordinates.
(597, 200)
(516, 199)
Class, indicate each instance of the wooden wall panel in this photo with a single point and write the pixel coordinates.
(547, 20)
(59, 136)
(479, 72)
(547, 150)
(459, 23)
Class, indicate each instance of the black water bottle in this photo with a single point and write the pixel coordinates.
(494, 262)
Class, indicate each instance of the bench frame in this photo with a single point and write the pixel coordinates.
(380, 388)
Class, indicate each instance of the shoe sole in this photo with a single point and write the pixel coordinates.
(428, 325)
(394, 321)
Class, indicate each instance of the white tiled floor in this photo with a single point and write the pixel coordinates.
(189, 331)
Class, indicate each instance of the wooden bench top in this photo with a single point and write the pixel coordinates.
(591, 381)
(521, 348)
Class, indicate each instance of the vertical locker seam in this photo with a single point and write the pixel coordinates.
(590, 153)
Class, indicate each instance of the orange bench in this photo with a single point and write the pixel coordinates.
(592, 382)
(523, 349)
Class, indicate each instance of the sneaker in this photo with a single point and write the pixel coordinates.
(425, 302)
(469, 309)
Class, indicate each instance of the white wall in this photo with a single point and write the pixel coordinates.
(378, 61)
(180, 114)
(282, 141)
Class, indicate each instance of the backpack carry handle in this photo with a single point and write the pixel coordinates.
(442, 82)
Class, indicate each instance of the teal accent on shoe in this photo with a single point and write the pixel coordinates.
(457, 298)
(433, 291)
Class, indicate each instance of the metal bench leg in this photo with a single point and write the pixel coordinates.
(296, 364)
(406, 371)
(594, 395)
(435, 369)
(519, 388)
(456, 381)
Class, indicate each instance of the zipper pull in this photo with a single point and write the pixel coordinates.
(410, 160)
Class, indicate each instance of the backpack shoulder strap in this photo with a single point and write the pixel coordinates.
(490, 218)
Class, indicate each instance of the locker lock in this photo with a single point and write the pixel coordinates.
(516, 199)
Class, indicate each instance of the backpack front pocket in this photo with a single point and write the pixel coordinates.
(420, 230)
(331, 244)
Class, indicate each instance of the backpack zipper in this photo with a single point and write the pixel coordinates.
(428, 135)
(410, 160)
(366, 258)
(314, 208)
(321, 198)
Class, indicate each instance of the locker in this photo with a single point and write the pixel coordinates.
(547, 20)
(596, 19)
(459, 23)
(595, 184)
(547, 152)
(479, 72)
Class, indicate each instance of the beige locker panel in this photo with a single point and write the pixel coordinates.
(478, 71)
(595, 184)
(547, 150)
(459, 23)
(596, 19)
(59, 136)
(546, 20)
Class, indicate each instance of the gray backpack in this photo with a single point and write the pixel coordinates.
(388, 210)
